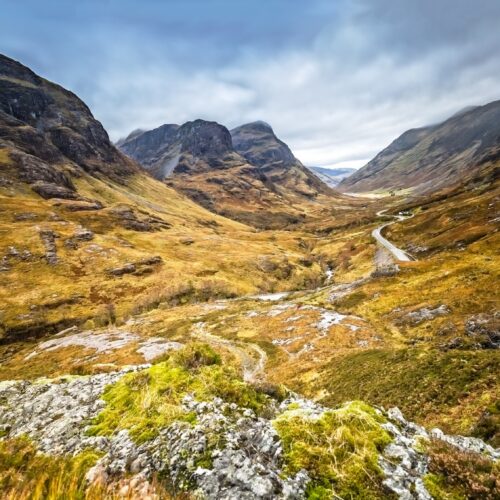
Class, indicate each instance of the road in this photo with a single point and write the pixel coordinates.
(399, 254)
(253, 364)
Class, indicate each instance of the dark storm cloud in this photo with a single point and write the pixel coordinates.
(337, 79)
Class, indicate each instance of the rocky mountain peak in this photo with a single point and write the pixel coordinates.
(205, 138)
(14, 69)
(258, 143)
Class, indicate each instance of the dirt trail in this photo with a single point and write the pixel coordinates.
(253, 368)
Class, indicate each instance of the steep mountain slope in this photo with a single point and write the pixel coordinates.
(424, 160)
(332, 176)
(258, 143)
(86, 233)
(51, 136)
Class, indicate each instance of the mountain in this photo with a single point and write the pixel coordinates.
(258, 143)
(332, 176)
(85, 230)
(430, 158)
(150, 348)
(51, 136)
(247, 174)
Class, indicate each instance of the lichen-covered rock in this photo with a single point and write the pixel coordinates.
(224, 451)
(426, 314)
(485, 329)
(48, 238)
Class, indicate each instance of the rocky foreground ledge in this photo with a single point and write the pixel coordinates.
(216, 437)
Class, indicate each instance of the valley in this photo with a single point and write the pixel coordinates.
(197, 315)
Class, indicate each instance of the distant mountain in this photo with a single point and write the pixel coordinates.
(247, 174)
(51, 135)
(431, 158)
(332, 176)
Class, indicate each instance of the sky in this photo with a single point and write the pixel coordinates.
(338, 80)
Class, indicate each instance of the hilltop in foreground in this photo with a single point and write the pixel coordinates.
(153, 348)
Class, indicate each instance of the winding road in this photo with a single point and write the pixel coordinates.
(399, 254)
(253, 365)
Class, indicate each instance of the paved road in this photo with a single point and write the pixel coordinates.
(377, 234)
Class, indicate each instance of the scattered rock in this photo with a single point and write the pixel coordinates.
(48, 190)
(426, 314)
(78, 206)
(415, 249)
(81, 234)
(156, 346)
(186, 240)
(385, 271)
(484, 328)
(48, 238)
(120, 271)
(128, 219)
(467, 444)
(150, 261)
(456, 343)
(25, 216)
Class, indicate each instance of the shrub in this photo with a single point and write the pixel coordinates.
(455, 474)
(24, 473)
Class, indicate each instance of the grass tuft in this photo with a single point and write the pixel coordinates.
(146, 401)
(339, 450)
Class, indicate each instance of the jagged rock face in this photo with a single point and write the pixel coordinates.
(435, 157)
(50, 133)
(205, 139)
(193, 147)
(145, 145)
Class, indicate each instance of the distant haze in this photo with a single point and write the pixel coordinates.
(337, 80)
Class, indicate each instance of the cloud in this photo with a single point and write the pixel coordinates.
(338, 80)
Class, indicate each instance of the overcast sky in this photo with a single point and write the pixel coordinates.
(337, 79)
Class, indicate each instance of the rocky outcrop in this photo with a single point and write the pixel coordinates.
(484, 330)
(81, 234)
(425, 314)
(48, 238)
(227, 452)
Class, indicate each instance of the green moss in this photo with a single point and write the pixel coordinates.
(146, 401)
(436, 486)
(352, 300)
(339, 451)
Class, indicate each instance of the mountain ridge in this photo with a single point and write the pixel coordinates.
(430, 158)
(247, 173)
